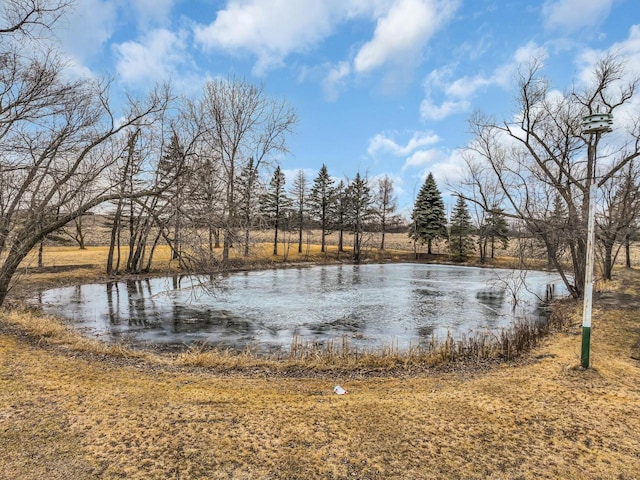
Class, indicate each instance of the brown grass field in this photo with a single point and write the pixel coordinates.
(73, 408)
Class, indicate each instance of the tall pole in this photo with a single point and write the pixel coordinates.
(598, 124)
(588, 275)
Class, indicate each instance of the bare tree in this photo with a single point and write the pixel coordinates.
(240, 123)
(385, 204)
(56, 140)
(544, 156)
(27, 16)
(620, 208)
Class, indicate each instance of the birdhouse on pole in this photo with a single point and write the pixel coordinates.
(597, 123)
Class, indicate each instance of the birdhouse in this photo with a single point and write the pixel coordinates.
(597, 123)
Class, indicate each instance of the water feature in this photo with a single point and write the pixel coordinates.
(371, 305)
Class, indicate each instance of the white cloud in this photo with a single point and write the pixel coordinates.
(87, 27)
(273, 30)
(151, 12)
(432, 111)
(457, 93)
(335, 79)
(403, 31)
(153, 59)
(627, 52)
(382, 143)
(571, 15)
(422, 158)
(450, 171)
(290, 174)
(529, 52)
(270, 30)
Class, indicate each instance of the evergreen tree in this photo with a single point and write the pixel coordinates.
(171, 168)
(359, 211)
(248, 202)
(322, 202)
(460, 242)
(498, 229)
(428, 218)
(341, 203)
(560, 231)
(299, 194)
(493, 229)
(274, 204)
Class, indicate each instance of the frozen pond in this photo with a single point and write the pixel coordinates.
(370, 305)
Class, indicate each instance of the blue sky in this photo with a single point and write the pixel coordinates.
(379, 86)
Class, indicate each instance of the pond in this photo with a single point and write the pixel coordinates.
(400, 305)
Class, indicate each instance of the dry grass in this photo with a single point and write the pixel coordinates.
(72, 408)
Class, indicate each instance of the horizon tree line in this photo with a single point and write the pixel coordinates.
(187, 171)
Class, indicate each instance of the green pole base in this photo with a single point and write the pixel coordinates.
(586, 341)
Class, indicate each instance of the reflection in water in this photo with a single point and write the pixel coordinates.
(372, 305)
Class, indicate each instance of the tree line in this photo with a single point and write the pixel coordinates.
(537, 171)
(429, 224)
(352, 206)
(201, 175)
(186, 172)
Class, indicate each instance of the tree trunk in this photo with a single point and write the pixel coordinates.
(115, 232)
(275, 240)
(247, 234)
(608, 260)
(40, 251)
(19, 250)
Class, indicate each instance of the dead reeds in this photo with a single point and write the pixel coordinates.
(341, 354)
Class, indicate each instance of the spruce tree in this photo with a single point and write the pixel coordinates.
(341, 202)
(299, 195)
(359, 211)
(322, 202)
(274, 204)
(460, 242)
(494, 228)
(497, 229)
(428, 218)
(247, 192)
(171, 173)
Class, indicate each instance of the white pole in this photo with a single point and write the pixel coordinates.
(588, 276)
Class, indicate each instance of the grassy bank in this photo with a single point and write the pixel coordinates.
(71, 408)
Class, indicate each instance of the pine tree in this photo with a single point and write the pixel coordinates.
(498, 229)
(460, 242)
(274, 204)
(493, 229)
(299, 194)
(429, 221)
(358, 211)
(341, 203)
(248, 203)
(171, 171)
(322, 202)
